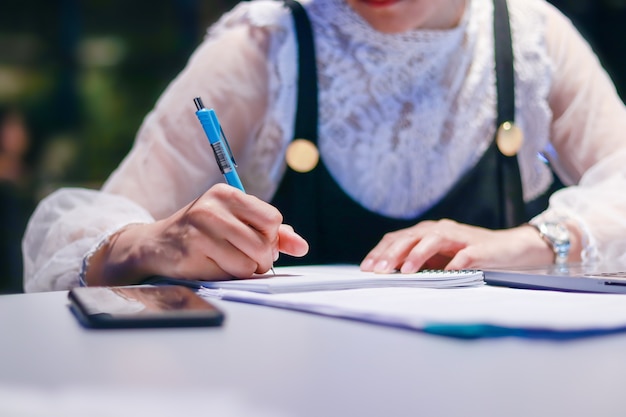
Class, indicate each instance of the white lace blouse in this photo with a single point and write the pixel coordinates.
(402, 118)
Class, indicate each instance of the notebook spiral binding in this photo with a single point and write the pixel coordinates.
(449, 271)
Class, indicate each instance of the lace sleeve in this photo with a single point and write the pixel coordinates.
(588, 137)
(65, 228)
(171, 162)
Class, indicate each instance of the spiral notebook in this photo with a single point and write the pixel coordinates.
(291, 279)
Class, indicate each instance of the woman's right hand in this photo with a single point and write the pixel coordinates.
(223, 233)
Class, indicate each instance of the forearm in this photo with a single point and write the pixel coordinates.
(66, 226)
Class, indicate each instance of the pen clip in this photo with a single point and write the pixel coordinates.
(227, 145)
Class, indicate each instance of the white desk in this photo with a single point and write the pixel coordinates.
(266, 361)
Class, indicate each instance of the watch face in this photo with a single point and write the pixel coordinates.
(557, 235)
(556, 232)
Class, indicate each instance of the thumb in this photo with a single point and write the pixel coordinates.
(291, 243)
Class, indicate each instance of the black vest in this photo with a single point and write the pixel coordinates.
(340, 230)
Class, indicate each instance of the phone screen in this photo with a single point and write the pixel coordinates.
(142, 306)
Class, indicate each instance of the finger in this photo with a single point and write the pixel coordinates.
(437, 261)
(218, 219)
(259, 246)
(253, 211)
(403, 243)
(464, 259)
(291, 243)
(388, 254)
(228, 257)
(213, 260)
(264, 220)
(377, 257)
(396, 252)
(236, 247)
(424, 250)
(434, 249)
(260, 252)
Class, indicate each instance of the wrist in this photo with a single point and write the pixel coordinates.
(118, 259)
(562, 239)
(537, 250)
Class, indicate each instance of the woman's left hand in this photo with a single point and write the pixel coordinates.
(446, 244)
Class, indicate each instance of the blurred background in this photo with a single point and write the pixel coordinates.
(78, 76)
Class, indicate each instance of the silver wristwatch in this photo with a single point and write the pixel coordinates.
(557, 236)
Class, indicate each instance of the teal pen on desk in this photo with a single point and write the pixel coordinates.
(217, 139)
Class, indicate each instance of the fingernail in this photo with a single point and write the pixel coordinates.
(276, 254)
(381, 266)
(367, 265)
(408, 268)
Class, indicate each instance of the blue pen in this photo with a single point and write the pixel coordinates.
(217, 139)
(221, 149)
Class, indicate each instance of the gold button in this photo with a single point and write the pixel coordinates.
(509, 138)
(302, 155)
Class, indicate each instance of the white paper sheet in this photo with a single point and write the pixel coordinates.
(465, 312)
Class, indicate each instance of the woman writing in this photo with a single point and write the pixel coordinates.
(428, 157)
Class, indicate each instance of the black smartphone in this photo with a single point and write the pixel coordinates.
(142, 306)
